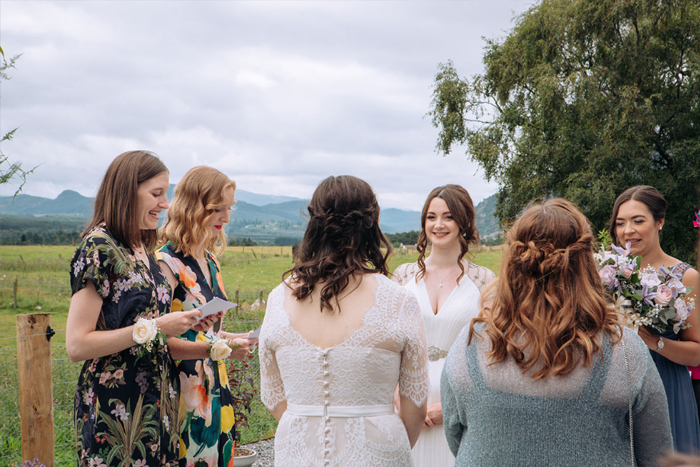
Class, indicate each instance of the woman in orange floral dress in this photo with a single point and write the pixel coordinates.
(200, 209)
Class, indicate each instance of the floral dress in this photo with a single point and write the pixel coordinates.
(126, 404)
(206, 418)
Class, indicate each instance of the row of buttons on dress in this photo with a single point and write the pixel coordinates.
(326, 403)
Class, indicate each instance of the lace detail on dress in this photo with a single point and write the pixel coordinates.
(479, 275)
(363, 370)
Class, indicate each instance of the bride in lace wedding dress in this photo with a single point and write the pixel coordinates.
(448, 288)
(338, 337)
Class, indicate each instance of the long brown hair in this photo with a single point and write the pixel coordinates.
(462, 209)
(549, 304)
(650, 196)
(198, 194)
(342, 238)
(116, 203)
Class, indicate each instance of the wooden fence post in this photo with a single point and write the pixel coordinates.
(35, 387)
(14, 291)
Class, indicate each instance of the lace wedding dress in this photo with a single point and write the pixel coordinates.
(442, 329)
(340, 408)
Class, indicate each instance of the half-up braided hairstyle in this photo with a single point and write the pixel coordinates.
(549, 304)
(462, 209)
(341, 238)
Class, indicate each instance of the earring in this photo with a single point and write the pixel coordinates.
(661, 228)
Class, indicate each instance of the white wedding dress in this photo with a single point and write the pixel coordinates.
(441, 330)
(340, 400)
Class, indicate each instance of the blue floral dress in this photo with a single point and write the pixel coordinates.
(207, 417)
(126, 404)
(682, 406)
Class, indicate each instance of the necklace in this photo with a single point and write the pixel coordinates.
(449, 271)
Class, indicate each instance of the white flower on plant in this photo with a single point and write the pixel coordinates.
(96, 462)
(120, 412)
(140, 463)
(145, 330)
(649, 279)
(78, 266)
(664, 294)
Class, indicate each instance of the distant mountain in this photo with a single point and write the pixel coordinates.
(276, 209)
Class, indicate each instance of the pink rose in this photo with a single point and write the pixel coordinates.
(664, 295)
(607, 275)
(650, 279)
(628, 271)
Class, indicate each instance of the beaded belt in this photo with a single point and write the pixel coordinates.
(340, 411)
(435, 354)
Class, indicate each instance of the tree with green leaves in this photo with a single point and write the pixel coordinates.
(10, 170)
(583, 99)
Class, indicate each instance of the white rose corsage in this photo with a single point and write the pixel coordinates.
(146, 333)
(218, 348)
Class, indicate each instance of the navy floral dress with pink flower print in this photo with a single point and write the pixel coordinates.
(126, 406)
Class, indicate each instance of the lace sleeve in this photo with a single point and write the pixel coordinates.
(271, 385)
(404, 273)
(413, 376)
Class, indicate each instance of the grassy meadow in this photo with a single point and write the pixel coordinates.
(41, 275)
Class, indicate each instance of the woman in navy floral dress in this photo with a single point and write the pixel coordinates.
(126, 403)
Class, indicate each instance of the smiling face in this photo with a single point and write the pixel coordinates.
(152, 200)
(440, 227)
(636, 224)
(222, 213)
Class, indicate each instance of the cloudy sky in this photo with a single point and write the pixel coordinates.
(277, 94)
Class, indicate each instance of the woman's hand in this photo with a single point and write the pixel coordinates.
(240, 347)
(206, 323)
(177, 322)
(650, 338)
(434, 416)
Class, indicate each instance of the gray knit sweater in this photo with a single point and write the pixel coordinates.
(495, 415)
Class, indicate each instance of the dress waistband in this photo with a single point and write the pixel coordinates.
(435, 353)
(340, 411)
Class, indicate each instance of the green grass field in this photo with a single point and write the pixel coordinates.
(42, 286)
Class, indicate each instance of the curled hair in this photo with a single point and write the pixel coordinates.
(116, 203)
(342, 238)
(648, 195)
(198, 194)
(549, 304)
(462, 209)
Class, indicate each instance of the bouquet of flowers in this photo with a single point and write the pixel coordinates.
(649, 297)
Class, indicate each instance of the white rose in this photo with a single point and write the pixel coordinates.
(219, 350)
(145, 330)
(650, 279)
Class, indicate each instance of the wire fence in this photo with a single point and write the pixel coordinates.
(42, 294)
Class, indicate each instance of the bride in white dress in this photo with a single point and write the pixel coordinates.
(337, 339)
(448, 288)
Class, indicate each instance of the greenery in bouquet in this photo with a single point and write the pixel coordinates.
(649, 297)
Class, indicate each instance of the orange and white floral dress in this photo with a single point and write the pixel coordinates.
(206, 406)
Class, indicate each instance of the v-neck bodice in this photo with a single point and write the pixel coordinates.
(457, 311)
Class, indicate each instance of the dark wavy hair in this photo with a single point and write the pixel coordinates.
(649, 196)
(462, 209)
(549, 304)
(116, 203)
(342, 238)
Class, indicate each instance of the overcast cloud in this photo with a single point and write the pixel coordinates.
(277, 94)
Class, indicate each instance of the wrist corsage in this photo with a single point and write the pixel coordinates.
(218, 348)
(146, 332)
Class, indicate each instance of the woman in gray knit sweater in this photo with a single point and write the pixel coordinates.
(543, 376)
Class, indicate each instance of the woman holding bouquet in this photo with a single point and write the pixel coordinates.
(193, 235)
(638, 218)
(126, 403)
(545, 375)
(448, 288)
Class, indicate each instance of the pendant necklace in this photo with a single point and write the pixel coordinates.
(445, 276)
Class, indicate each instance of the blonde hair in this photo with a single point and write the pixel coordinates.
(198, 194)
(549, 304)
